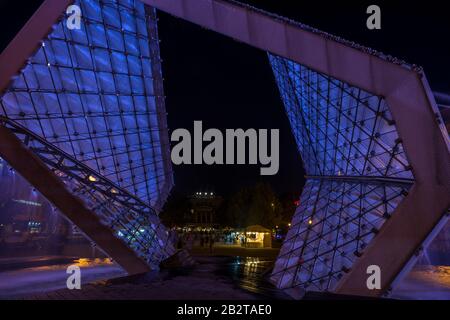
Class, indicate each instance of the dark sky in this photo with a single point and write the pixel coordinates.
(227, 84)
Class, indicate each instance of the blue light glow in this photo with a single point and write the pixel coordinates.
(352, 154)
(92, 93)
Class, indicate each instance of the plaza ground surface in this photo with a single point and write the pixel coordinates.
(213, 277)
(233, 273)
(226, 273)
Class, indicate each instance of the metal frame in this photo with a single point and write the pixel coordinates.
(347, 138)
(404, 88)
(68, 75)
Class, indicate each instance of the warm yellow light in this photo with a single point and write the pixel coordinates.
(92, 179)
(310, 222)
(82, 262)
(289, 225)
(114, 191)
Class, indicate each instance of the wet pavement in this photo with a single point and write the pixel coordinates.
(212, 278)
(247, 273)
(251, 274)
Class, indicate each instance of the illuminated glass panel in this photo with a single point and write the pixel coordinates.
(339, 129)
(332, 226)
(357, 175)
(96, 93)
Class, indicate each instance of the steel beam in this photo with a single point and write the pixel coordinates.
(367, 180)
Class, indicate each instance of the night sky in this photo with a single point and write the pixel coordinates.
(227, 84)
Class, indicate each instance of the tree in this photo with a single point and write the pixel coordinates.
(289, 202)
(254, 205)
(237, 208)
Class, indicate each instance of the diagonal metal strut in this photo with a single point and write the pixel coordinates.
(42, 165)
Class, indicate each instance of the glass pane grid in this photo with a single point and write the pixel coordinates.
(331, 228)
(340, 130)
(357, 170)
(94, 93)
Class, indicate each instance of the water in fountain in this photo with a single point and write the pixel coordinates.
(439, 250)
(30, 226)
(430, 278)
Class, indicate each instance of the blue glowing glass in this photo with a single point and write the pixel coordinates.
(96, 94)
(357, 174)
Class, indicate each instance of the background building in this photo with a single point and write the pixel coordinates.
(202, 213)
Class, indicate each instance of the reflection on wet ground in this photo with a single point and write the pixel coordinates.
(251, 274)
(35, 277)
(86, 262)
